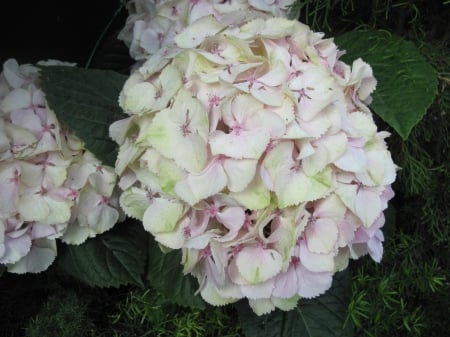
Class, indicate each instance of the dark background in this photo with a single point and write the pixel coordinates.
(65, 30)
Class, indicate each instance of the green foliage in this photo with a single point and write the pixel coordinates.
(407, 84)
(115, 258)
(316, 13)
(64, 314)
(86, 102)
(165, 274)
(323, 316)
(149, 313)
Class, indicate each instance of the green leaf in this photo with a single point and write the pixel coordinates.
(323, 316)
(86, 101)
(407, 83)
(112, 259)
(165, 274)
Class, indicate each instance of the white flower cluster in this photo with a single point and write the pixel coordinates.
(50, 186)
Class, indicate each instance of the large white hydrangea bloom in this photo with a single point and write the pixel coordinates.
(153, 24)
(251, 148)
(50, 186)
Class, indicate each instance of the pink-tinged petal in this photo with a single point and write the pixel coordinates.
(239, 173)
(321, 236)
(15, 100)
(375, 246)
(232, 218)
(257, 265)
(286, 284)
(196, 187)
(41, 231)
(240, 144)
(103, 180)
(13, 75)
(353, 160)
(330, 207)
(15, 248)
(102, 218)
(347, 228)
(316, 262)
(259, 290)
(312, 284)
(28, 120)
(40, 257)
(267, 95)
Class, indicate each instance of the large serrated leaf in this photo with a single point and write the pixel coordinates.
(323, 316)
(86, 101)
(407, 83)
(165, 274)
(112, 259)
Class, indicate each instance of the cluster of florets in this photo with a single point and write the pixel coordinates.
(153, 24)
(251, 148)
(50, 186)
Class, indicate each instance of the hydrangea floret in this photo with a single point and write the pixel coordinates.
(252, 149)
(152, 24)
(51, 187)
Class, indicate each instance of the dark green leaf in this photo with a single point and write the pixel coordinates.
(165, 274)
(323, 316)
(86, 101)
(115, 258)
(407, 83)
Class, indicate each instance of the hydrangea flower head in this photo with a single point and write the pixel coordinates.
(252, 150)
(50, 186)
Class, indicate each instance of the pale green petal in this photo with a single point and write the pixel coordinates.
(255, 196)
(167, 85)
(162, 215)
(33, 207)
(297, 187)
(75, 234)
(261, 306)
(135, 202)
(59, 211)
(138, 98)
(286, 304)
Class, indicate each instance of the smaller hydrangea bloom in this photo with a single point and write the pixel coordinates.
(50, 186)
(152, 25)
